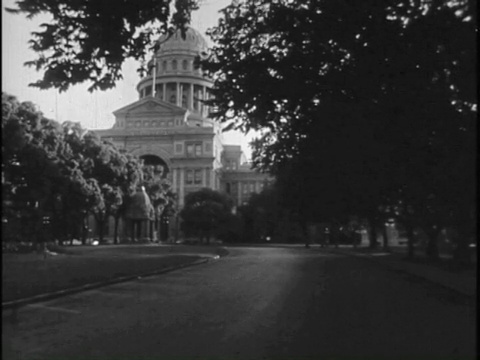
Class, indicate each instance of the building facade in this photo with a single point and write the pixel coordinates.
(169, 128)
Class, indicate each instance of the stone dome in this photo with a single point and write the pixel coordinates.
(193, 42)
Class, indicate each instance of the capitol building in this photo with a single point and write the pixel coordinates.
(170, 129)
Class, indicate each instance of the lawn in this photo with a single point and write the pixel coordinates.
(26, 275)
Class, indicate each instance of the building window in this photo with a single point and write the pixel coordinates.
(164, 65)
(178, 148)
(198, 177)
(185, 65)
(245, 188)
(148, 90)
(208, 148)
(189, 177)
(194, 149)
(193, 177)
(228, 188)
(174, 65)
(173, 99)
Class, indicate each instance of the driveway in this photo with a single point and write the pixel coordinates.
(256, 303)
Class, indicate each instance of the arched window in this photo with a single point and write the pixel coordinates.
(185, 65)
(164, 65)
(174, 65)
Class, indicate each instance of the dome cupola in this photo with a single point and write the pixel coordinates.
(193, 43)
(177, 80)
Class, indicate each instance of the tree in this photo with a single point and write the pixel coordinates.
(204, 212)
(57, 174)
(262, 216)
(128, 182)
(368, 103)
(30, 169)
(161, 195)
(90, 40)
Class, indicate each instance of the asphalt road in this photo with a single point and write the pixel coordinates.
(256, 303)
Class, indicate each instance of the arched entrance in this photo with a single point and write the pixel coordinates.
(156, 164)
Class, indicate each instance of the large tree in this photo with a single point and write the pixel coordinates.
(57, 174)
(367, 103)
(31, 171)
(204, 213)
(90, 40)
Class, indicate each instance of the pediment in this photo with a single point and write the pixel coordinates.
(151, 106)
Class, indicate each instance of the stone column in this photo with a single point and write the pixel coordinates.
(181, 189)
(190, 100)
(164, 92)
(208, 177)
(239, 193)
(174, 179)
(179, 95)
(212, 179)
(204, 177)
(204, 91)
(205, 96)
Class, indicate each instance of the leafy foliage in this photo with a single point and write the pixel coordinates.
(204, 213)
(368, 103)
(90, 40)
(62, 173)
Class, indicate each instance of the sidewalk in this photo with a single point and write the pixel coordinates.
(441, 273)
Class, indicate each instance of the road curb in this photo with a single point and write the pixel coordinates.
(60, 293)
(458, 290)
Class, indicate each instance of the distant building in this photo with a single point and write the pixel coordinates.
(170, 129)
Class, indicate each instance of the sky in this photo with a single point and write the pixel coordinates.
(92, 110)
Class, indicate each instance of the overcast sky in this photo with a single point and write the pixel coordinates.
(92, 110)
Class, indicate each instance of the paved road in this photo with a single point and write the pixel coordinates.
(256, 303)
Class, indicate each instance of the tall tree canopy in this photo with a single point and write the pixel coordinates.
(90, 40)
(204, 213)
(62, 172)
(368, 103)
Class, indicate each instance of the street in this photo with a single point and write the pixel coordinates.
(256, 303)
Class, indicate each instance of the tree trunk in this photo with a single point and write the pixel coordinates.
(115, 230)
(372, 234)
(461, 254)
(132, 228)
(303, 227)
(410, 238)
(151, 223)
(100, 224)
(84, 229)
(385, 236)
(431, 250)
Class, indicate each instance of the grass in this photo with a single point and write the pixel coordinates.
(26, 275)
